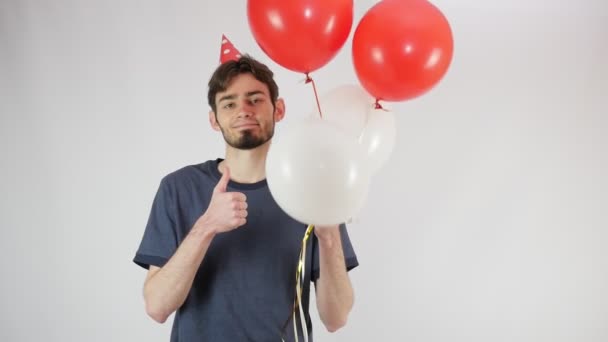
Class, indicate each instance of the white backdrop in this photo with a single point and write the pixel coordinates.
(489, 223)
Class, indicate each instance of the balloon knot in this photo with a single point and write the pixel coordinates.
(377, 105)
(308, 78)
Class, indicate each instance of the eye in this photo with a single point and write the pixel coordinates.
(257, 100)
(229, 105)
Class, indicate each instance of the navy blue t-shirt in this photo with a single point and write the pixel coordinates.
(244, 289)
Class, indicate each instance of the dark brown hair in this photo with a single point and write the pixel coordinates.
(225, 73)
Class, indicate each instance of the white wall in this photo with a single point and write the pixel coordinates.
(488, 224)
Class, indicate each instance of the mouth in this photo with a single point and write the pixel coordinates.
(246, 126)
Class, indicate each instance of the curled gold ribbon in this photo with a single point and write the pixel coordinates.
(297, 304)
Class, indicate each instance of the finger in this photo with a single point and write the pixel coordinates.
(238, 205)
(235, 221)
(223, 182)
(239, 196)
(242, 213)
(238, 221)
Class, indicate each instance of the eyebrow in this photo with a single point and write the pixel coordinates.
(234, 96)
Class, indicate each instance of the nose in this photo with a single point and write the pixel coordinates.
(245, 109)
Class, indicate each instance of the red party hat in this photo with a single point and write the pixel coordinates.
(228, 51)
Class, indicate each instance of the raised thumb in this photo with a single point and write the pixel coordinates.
(223, 183)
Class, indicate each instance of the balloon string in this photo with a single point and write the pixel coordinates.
(314, 88)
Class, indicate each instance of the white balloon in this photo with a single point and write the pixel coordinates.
(378, 138)
(352, 109)
(315, 173)
(347, 106)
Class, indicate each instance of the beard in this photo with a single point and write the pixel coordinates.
(247, 140)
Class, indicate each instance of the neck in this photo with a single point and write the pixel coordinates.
(246, 166)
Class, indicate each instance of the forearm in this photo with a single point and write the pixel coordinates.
(334, 291)
(167, 289)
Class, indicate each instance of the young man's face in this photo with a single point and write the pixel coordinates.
(245, 113)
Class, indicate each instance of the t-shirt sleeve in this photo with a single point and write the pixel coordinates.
(159, 240)
(350, 257)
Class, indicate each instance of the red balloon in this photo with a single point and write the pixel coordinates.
(402, 49)
(300, 35)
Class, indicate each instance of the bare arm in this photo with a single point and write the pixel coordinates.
(166, 288)
(335, 295)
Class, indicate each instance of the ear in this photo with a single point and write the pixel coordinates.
(279, 110)
(213, 121)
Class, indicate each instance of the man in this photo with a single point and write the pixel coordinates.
(219, 251)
